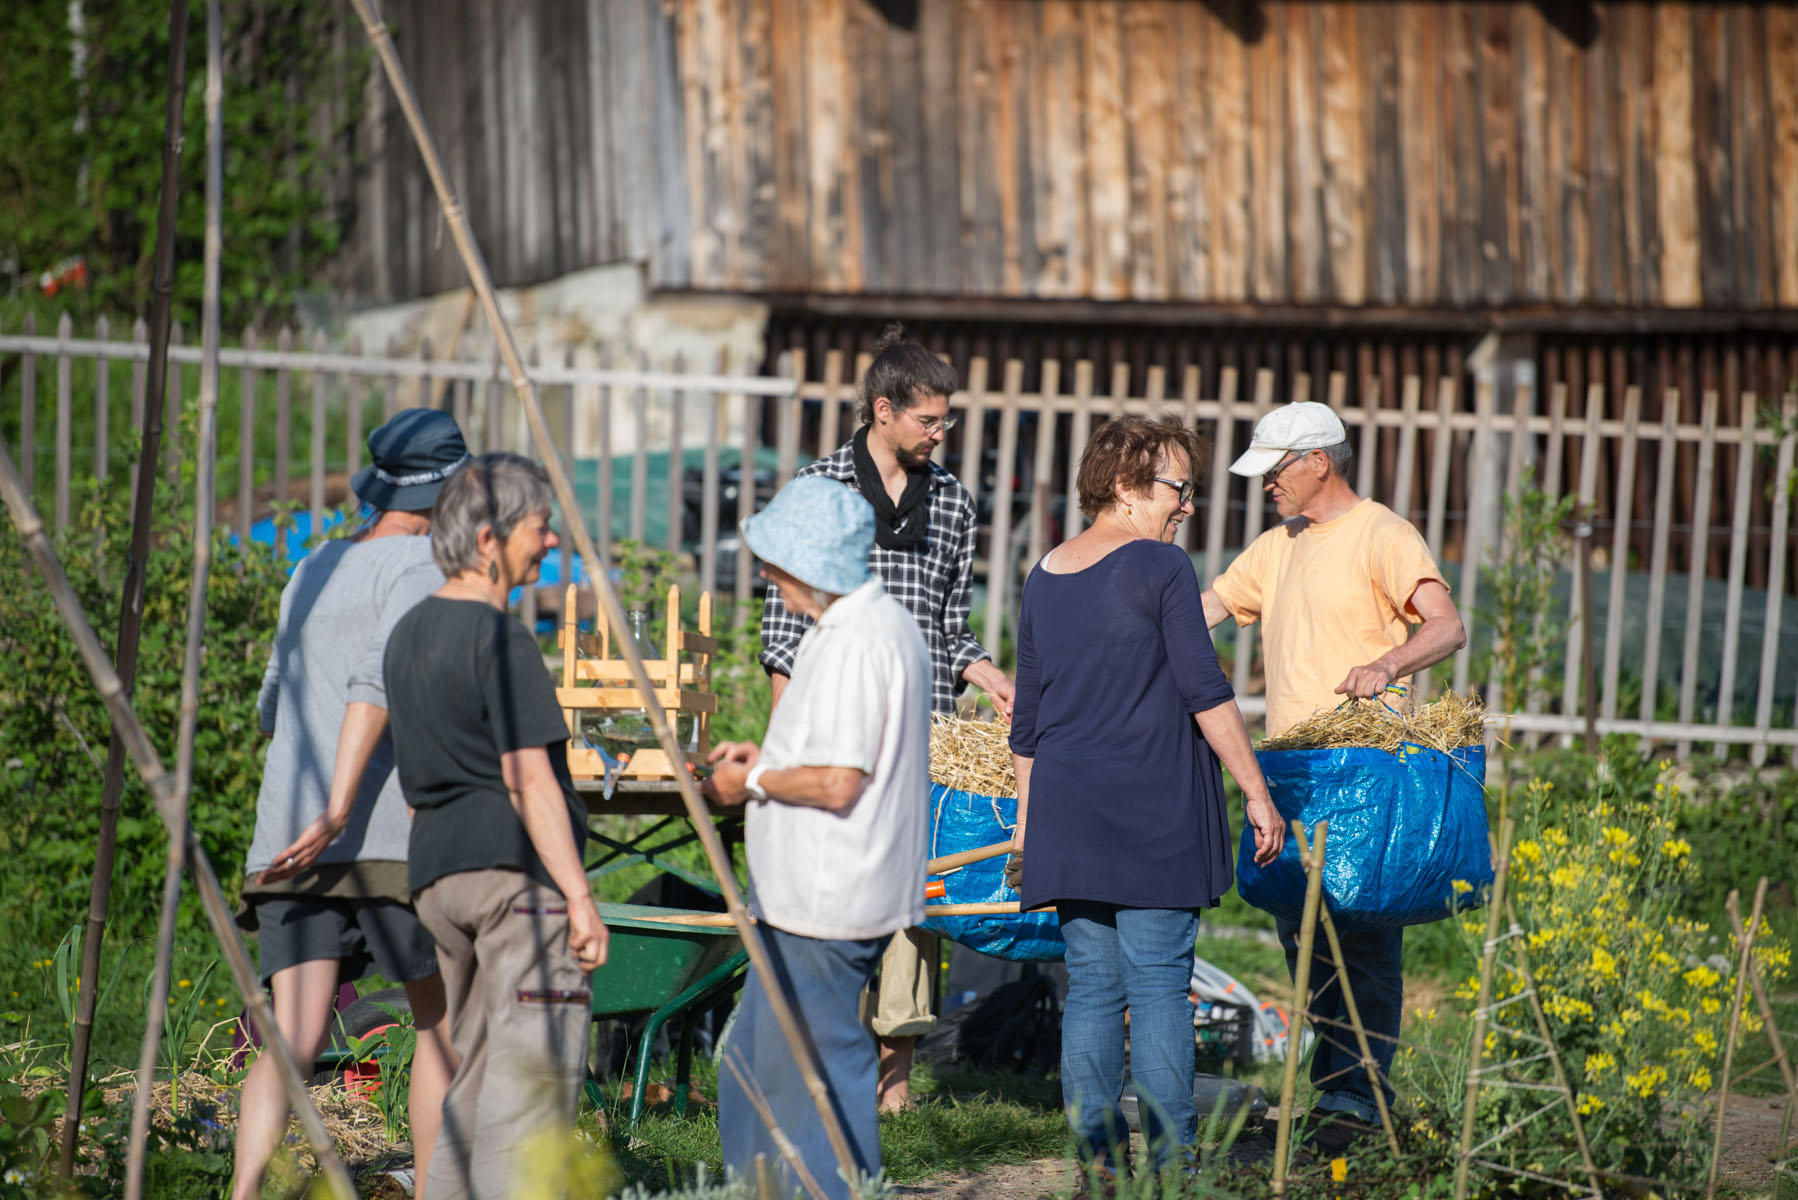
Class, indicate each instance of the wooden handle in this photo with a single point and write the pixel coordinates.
(949, 862)
(997, 908)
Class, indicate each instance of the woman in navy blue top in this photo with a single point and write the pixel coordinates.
(1121, 719)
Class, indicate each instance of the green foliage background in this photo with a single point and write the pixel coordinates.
(81, 153)
(54, 730)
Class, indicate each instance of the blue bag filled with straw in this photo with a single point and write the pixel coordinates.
(967, 821)
(973, 804)
(1408, 841)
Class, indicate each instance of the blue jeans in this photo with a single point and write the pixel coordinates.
(1374, 958)
(823, 981)
(1140, 958)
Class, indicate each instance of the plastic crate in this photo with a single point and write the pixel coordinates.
(1224, 1034)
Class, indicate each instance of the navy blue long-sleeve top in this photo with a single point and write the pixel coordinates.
(1126, 798)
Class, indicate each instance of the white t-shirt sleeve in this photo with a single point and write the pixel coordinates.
(841, 709)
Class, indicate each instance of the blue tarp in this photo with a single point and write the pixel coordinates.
(967, 821)
(1404, 829)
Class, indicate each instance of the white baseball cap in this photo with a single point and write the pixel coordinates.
(1305, 425)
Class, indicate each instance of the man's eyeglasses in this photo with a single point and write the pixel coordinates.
(932, 425)
(1183, 486)
(1274, 475)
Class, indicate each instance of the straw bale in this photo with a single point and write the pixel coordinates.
(972, 756)
(1446, 724)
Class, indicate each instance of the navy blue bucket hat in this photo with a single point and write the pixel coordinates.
(414, 454)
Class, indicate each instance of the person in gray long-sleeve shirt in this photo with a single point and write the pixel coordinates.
(325, 885)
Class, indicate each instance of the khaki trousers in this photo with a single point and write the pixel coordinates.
(899, 1002)
(519, 1008)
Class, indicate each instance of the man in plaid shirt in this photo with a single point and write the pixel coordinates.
(924, 555)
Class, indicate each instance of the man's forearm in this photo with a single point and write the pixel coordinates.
(1215, 612)
(983, 674)
(830, 788)
(363, 725)
(1435, 640)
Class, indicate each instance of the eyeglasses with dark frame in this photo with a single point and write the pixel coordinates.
(1272, 476)
(1183, 486)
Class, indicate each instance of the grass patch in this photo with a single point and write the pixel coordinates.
(959, 1121)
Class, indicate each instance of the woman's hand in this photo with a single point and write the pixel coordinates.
(1270, 829)
(588, 937)
(305, 850)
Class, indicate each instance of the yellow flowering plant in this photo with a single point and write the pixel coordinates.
(1635, 993)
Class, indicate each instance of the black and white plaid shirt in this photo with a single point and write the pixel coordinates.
(935, 582)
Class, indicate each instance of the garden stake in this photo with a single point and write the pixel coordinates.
(1354, 1010)
(1554, 1054)
(1772, 1027)
(1495, 905)
(1744, 960)
(526, 390)
(204, 484)
(161, 786)
(131, 599)
(1301, 982)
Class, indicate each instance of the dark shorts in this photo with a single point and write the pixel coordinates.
(358, 933)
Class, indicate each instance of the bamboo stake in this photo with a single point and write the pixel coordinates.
(1773, 1035)
(131, 600)
(1481, 1014)
(1301, 995)
(205, 484)
(161, 786)
(526, 390)
(1744, 960)
(1554, 1054)
(1354, 1010)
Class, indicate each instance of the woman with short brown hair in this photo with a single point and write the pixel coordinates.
(1122, 718)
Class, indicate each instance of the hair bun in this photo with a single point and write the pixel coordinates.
(892, 335)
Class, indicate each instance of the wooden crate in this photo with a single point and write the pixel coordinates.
(597, 682)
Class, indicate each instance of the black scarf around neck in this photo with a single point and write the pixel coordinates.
(896, 526)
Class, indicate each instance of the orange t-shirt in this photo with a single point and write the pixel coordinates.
(1331, 596)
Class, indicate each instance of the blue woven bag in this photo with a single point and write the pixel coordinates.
(967, 821)
(1405, 829)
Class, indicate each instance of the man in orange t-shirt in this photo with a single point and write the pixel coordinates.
(1337, 586)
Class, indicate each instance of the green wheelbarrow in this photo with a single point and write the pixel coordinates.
(658, 966)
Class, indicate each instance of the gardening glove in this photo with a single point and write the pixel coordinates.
(1014, 871)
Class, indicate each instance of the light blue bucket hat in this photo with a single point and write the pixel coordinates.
(818, 531)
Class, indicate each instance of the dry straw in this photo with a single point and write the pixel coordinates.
(972, 756)
(1447, 724)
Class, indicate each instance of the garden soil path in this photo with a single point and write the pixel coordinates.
(1750, 1138)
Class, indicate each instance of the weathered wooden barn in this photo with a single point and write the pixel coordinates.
(1369, 187)
(1366, 186)
(1372, 157)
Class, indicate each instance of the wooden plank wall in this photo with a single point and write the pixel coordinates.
(1458, 155)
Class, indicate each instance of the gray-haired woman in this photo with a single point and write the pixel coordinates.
(496, 842)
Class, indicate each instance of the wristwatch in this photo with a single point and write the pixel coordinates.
(752, 781)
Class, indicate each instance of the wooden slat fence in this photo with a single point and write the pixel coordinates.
(1443, 460)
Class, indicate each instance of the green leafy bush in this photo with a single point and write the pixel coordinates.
(81, 150)
(54, 729)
